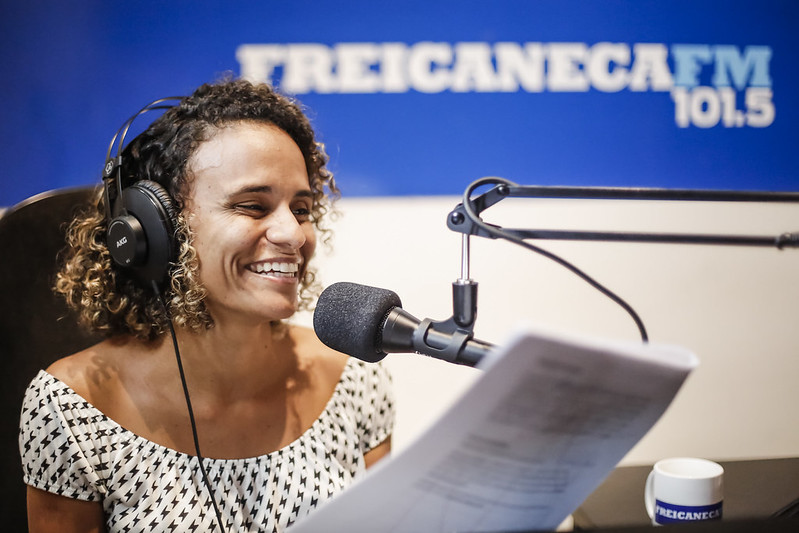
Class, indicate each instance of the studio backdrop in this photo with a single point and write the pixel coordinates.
(421, 98)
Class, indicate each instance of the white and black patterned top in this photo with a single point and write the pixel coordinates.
(69, 447)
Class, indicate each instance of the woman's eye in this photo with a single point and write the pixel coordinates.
(251, 208)
(301, 212)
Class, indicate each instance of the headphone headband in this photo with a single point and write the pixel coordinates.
(142, 217)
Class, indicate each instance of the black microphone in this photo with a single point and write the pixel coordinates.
(368, 323)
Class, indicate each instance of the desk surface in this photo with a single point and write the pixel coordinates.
(752, 489)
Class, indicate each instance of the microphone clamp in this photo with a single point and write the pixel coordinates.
(451, 346)
(402, 332)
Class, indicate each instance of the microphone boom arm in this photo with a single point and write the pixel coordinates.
(459, 221)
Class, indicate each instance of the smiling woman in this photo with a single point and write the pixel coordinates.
(110, 437)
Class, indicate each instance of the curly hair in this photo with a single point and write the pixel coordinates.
(109, 299)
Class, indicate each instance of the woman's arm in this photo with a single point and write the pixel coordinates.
(48, 512)
(378, 452)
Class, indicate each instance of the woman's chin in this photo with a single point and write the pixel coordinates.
(280, 311)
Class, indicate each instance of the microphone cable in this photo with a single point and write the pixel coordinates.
(200, 459)
(497, 232)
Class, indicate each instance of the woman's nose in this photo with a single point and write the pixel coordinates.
(285, 230)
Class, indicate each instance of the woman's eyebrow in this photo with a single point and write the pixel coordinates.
(268, 189)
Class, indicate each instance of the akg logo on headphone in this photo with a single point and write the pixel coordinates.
(122, 241)
(109, 168)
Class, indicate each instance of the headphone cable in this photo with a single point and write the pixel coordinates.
(200, 459)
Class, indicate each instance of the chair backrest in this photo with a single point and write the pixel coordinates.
(36, 328)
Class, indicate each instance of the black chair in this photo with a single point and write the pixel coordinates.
(36, 328)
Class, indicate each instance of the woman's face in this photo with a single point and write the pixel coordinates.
(249, 208)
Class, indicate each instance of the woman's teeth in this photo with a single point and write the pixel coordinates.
(277, 269)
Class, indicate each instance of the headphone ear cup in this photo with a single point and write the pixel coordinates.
(144, 238)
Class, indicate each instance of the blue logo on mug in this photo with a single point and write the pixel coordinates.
(667, 513)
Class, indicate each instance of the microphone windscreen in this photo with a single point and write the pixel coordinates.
(349, 318)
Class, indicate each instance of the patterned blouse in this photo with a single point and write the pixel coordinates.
(69, 447)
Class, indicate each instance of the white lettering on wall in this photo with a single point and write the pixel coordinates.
(608, 66)
(710, 84)
(520, 67)
(429, 67)
(650, 72)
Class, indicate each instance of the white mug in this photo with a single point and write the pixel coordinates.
(684, 489)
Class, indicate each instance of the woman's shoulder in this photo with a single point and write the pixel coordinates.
(73, 370)
(95, 372)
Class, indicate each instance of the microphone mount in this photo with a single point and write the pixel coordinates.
(451, 340)
(457, 344)
(465, 219)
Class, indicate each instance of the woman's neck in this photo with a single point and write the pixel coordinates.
(229, 356)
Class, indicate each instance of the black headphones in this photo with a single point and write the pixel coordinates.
(142, 216)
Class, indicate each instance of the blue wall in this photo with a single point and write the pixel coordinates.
(421, 98)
